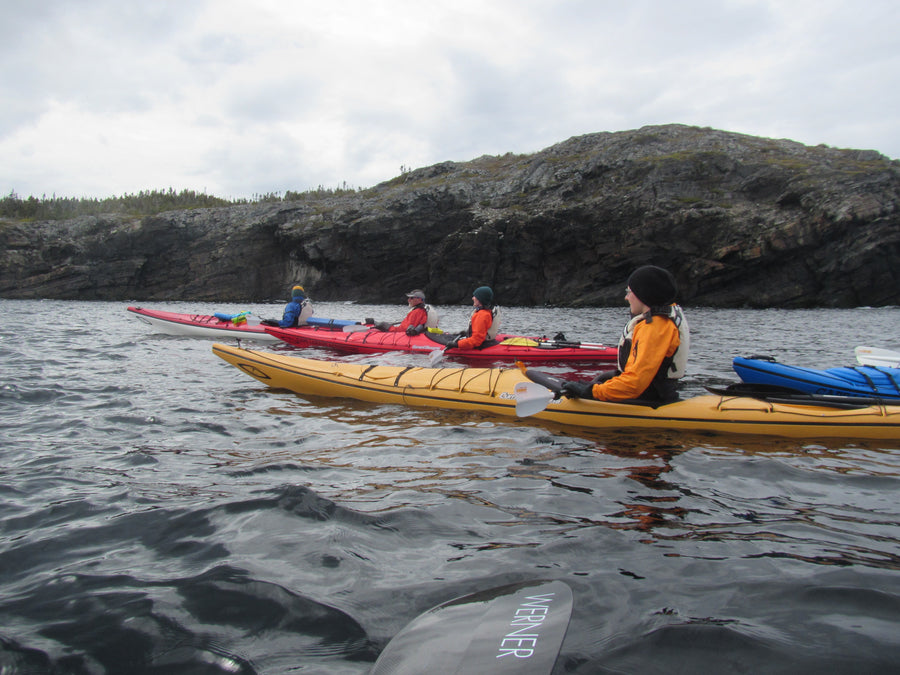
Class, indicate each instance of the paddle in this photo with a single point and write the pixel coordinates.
(550, 344)
(517, 628)
(534, 396)
(356, 328)
(566, 344)
(774, 393)
(531, 398)
(873, 356)
(435, 357)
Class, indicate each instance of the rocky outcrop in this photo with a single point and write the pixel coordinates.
(741, 221)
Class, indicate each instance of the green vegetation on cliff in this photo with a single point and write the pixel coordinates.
(144, 203)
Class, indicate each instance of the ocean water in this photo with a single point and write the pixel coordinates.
(161, 512)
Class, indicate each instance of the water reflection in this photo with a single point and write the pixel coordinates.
(378, 457)
(140, 464)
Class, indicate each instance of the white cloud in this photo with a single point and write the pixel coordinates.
(237, 99)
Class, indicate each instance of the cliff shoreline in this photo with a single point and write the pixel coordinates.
(741, 221)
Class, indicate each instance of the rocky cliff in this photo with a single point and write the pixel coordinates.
(741, 221)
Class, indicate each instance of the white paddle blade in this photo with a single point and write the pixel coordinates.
(435, 357)
(531, 398)
(354, 328)
(873, 356)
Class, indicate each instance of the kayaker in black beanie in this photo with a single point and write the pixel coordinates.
(654, 346)
(480, 322)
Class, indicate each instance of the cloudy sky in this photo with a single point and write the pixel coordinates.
(239, 98)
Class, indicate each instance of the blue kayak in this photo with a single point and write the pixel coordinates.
(871, 381)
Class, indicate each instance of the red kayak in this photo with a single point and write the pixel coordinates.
(365, 340)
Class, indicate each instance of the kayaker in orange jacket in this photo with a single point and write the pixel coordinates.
(481, 321)
(648, 367)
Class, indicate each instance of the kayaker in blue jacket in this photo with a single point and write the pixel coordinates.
(296, 312)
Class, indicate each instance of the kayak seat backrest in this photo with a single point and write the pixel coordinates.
(433, 317)
(495, 324)
(305, 313)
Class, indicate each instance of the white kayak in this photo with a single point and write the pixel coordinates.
(202, 325)
(226, 326)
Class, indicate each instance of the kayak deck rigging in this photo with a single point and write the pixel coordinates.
(495, 390)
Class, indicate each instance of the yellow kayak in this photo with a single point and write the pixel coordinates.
(495, 391)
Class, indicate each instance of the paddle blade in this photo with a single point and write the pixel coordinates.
(510, 629)
(873, 356)
(435, 357)
(355, 328)
(531, 398)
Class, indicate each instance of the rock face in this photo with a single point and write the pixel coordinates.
(741, 221)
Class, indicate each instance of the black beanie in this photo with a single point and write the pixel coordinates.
(653, 286)
(485, 295)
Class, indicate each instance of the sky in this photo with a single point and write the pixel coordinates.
(237, 99)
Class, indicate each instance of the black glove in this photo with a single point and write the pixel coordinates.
(269, 322)
(383, 325)
(453, 344)
(577, 389)
(604, 376)
(412, 330)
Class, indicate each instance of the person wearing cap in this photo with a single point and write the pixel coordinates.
(416, 319)
(296, 312)
(480, 322)
(653, 349)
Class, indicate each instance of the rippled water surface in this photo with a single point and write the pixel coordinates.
(163, 513)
